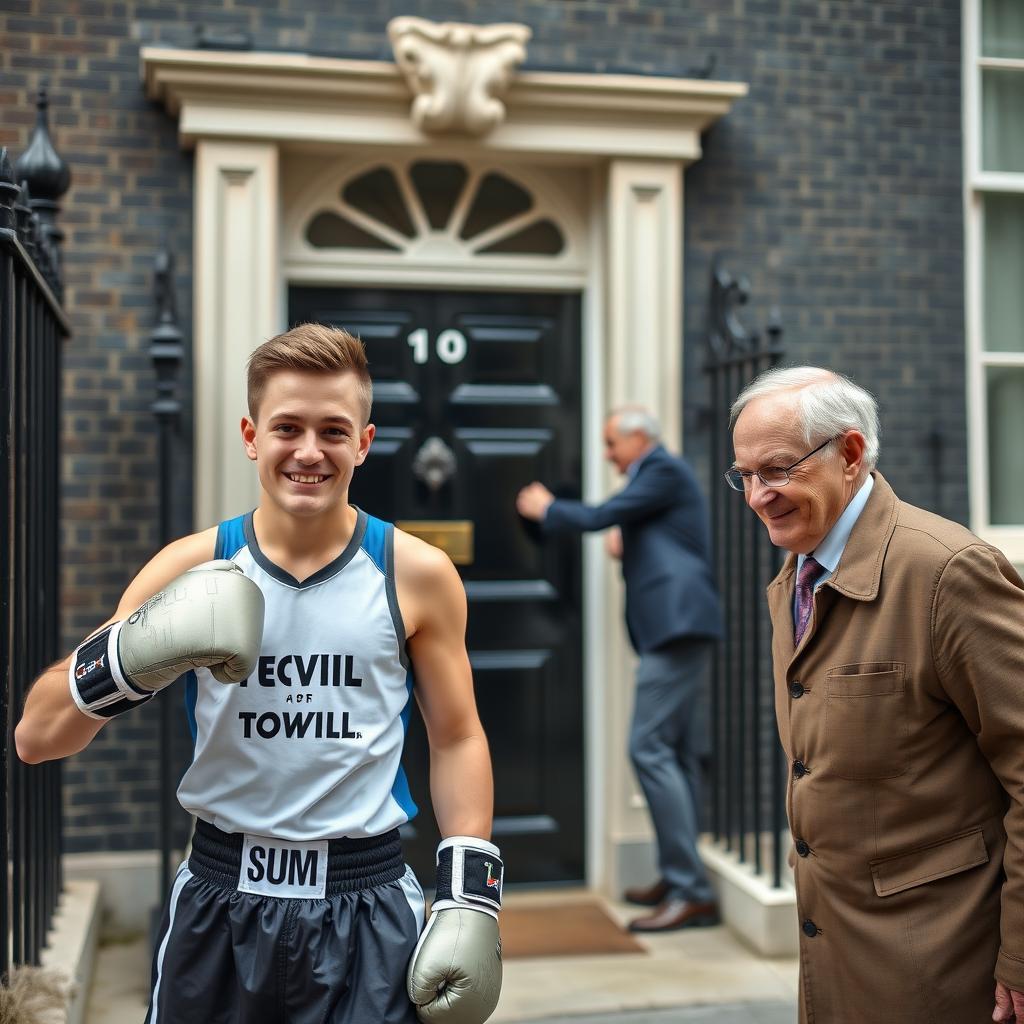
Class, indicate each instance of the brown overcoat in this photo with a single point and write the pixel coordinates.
(902, 717)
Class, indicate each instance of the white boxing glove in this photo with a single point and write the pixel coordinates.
(455, 971)
(209, 617)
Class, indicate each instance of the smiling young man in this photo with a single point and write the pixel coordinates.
(898, 660)
(295, 903)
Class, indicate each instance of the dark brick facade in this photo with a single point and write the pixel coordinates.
(835, 187)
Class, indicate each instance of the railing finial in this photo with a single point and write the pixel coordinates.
(727, 336)
(40, 164)
(49, 177)
(726, 333)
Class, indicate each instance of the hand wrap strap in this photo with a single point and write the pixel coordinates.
(470, 873)
(97, 685)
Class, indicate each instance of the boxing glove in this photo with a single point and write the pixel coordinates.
(455, 972)
(209, 617)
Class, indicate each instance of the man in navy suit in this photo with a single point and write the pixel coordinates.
(673, 617)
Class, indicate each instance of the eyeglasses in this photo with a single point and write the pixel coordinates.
(770, 476)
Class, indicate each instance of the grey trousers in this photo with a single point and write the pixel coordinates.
(668, 737)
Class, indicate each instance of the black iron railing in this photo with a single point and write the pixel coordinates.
(748, 787)
(32, 329)
(167, 351)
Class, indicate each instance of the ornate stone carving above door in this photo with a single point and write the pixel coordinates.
(459, 73)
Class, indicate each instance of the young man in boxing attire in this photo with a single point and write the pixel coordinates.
(294, 904)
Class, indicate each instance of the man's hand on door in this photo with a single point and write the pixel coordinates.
(533, 500)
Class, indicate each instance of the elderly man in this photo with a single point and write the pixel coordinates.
(673, 616)
(899, 690)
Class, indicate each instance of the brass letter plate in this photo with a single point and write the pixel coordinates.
(453, 536)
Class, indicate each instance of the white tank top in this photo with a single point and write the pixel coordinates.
(310, 745)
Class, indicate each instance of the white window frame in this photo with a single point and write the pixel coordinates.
(977, 184)
(558, 195)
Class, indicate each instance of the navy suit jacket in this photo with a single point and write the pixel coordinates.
(666, 560)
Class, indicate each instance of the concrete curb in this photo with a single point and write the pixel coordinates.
(763, 916)
(74, 940)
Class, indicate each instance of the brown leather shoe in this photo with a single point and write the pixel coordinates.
(650, 896)
(675, 914)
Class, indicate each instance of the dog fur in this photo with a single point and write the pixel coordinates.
(35, 995)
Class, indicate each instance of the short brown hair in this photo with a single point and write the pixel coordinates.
(309, 348)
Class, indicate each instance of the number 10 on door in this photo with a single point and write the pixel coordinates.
(450, 345)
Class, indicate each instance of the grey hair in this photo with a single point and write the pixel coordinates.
(636, 419)
(827, 403)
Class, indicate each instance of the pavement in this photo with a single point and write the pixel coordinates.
(694, 976)
(733, 1013)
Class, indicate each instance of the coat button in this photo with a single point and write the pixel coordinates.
(802, 848)
(809, 928)
(796, 689)
(800, 770)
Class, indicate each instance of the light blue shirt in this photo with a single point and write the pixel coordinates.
(634, 467)
(830, 550)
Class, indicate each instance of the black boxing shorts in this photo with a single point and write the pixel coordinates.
(261, 931)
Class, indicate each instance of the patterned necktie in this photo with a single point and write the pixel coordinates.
(809, 572)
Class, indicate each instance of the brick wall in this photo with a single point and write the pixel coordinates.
(835, 187)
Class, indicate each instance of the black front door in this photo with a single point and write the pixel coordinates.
(475, 395)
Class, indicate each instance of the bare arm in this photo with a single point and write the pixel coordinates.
(433, 605)
(51, 725)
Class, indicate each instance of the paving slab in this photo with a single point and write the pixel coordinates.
(734, 1013)
(120, 984)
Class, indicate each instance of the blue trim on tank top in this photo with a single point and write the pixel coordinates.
(191, 695)
(376, 543)
(374, 539)
(400, 788)
(230, 537)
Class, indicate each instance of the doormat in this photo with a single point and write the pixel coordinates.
(562, 929)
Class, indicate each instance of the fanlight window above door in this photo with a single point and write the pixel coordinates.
(437, 205)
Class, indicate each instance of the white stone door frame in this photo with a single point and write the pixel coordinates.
(240, 111)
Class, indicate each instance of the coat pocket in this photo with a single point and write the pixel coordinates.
(937, 860)
(866, 720)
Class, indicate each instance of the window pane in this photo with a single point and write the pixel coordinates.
(497, 200)
(1002, 28)
(541, 238)
(439, 186)
(1002, 129)
(1005, 450)
(1004, 273)
(377, 193)
(329, 231)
